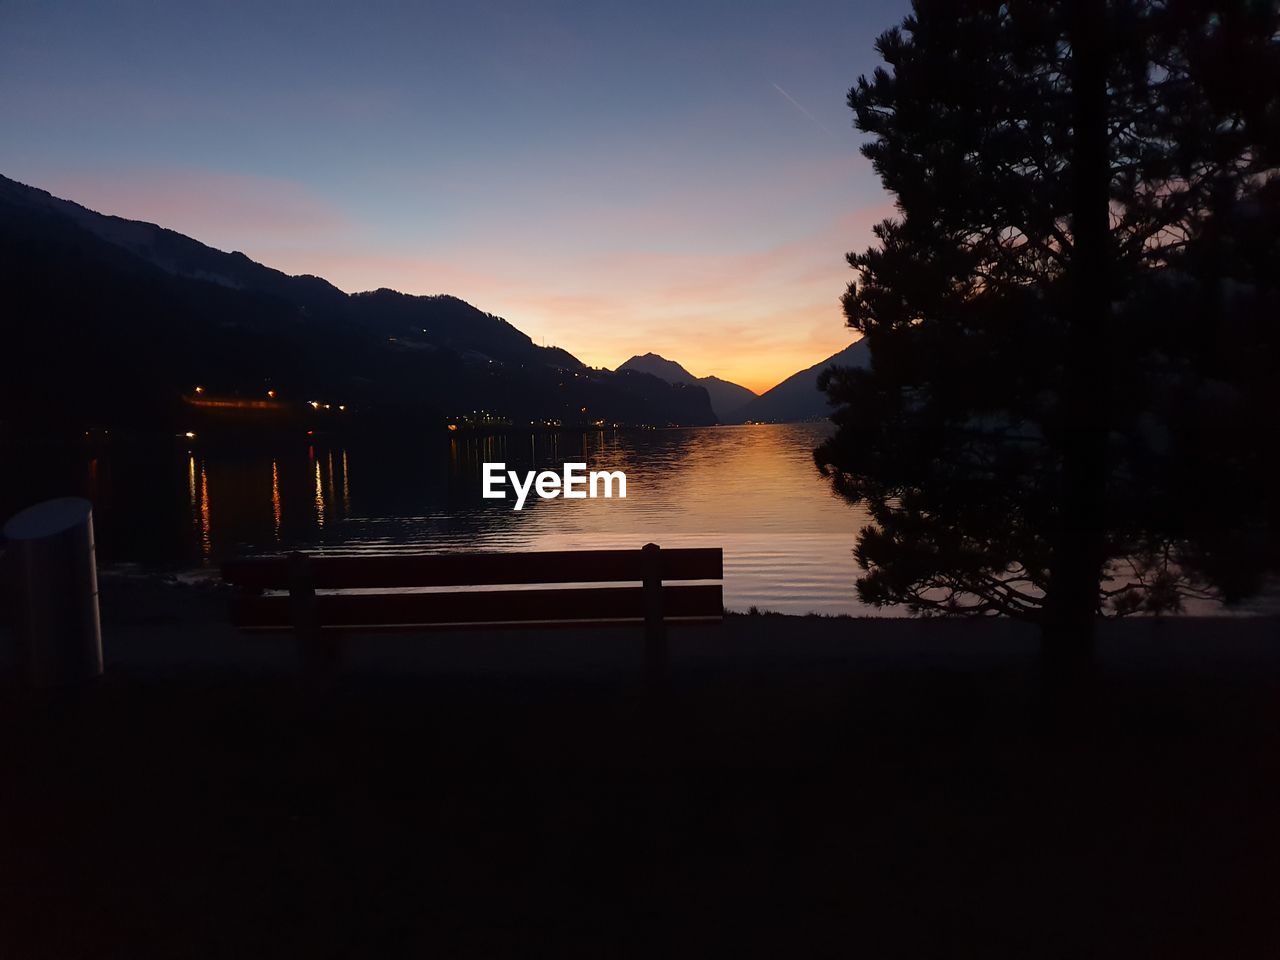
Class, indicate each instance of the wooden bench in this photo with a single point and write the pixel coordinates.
(649, 600)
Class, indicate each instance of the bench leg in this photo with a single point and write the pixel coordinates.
(319, 653)
(656, 660)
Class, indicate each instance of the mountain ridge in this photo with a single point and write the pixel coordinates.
(726, 397)
(127, 315)
(798, 397)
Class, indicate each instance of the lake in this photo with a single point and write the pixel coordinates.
(752, 490)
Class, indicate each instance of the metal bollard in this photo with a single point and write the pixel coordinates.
(51, 556)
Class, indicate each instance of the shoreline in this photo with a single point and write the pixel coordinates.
(154, 622)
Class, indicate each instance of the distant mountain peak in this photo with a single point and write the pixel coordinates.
(727, 398)
(798, 397)
(660, 367)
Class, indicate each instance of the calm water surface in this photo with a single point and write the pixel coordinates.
(752, 490)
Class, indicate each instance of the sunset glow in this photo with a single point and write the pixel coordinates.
(610, 188)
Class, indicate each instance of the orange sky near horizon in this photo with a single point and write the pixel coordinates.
(753, 317)
(613, 179)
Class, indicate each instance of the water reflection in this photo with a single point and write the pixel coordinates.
(275, 499)
(198, 487)
(346, 486)
(319, 500)
(752, 490)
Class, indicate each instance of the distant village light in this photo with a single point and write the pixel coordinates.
(199, 389)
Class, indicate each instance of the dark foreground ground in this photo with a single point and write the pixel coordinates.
(812, 788)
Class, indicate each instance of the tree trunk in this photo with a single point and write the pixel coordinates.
(1071, 606)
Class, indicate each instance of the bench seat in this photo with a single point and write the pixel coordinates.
(318, 595)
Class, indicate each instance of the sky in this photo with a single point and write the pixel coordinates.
(612, 178)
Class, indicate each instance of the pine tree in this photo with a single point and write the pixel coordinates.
(1073, 317)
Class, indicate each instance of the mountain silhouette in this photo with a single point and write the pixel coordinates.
(447, 320)
(727, 398)
(798, 396)
(112, 321)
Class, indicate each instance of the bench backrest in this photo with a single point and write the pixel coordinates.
(384, 604)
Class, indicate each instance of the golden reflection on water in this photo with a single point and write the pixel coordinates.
(198, 495)
(329, 483)
(730, 479)
(727, 479)
(275, 497)
(319, 491)
(346, 487)
(206, 541)
(752, 490)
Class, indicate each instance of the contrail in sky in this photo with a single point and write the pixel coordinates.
(796, 103)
